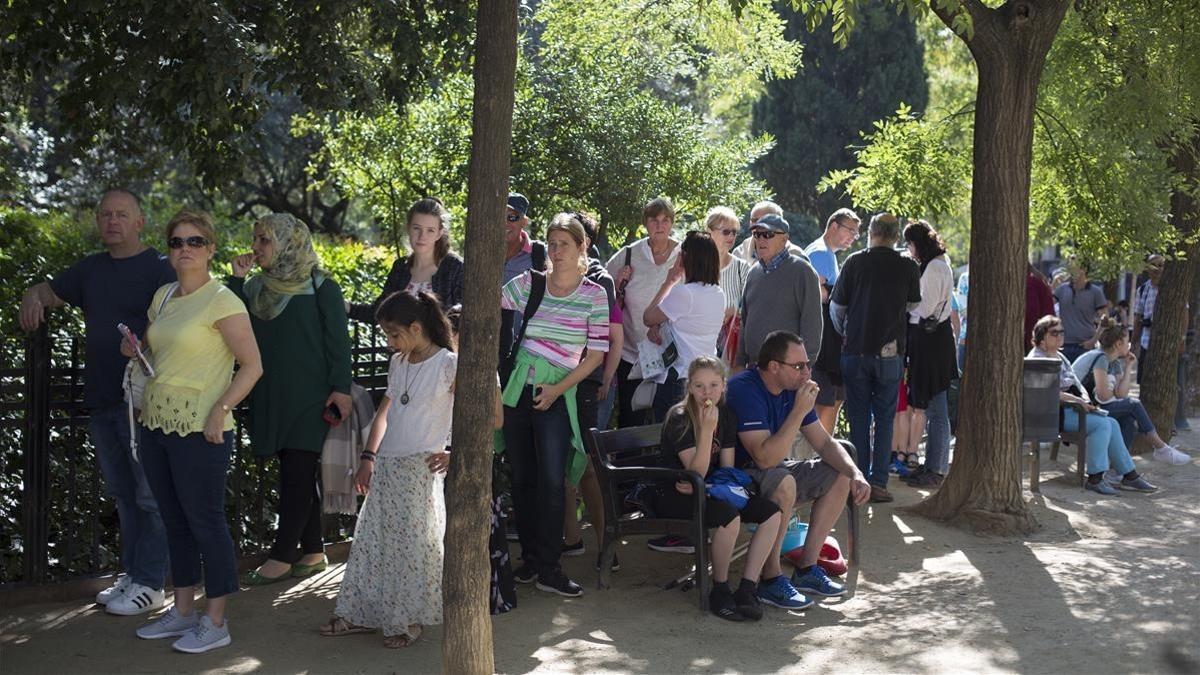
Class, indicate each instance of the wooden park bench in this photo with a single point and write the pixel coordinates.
(622, 458)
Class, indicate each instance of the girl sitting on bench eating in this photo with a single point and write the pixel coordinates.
(702, 421)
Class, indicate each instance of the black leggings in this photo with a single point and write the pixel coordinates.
(299, 532)
(669, 503)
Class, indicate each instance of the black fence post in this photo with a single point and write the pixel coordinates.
(36, 499)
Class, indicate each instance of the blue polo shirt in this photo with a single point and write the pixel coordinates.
(757, 409)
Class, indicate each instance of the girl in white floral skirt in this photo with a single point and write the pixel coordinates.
(393, 580)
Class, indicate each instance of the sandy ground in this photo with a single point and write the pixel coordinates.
(1110, 585)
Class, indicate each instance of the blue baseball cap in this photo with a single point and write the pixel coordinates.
(517, 202)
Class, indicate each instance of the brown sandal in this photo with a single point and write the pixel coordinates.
(337, 627)
(404, 639)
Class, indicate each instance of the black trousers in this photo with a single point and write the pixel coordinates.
(299, 532)
(670, 503)
(625, 388)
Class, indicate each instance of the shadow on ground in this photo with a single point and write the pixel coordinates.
(1107, 585)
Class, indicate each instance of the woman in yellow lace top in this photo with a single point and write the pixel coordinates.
(198, 328)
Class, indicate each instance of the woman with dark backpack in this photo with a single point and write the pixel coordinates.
(564, 314)
(1107, 374)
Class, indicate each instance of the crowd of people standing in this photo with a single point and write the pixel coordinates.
(745, 355)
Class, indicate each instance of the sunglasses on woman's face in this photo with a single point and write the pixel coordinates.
(727, 233)
(1056, 332)
(191, 242)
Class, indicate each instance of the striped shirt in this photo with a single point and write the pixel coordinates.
(562, 327)
(733, 281)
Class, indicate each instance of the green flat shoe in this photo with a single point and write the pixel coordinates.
(300, 571)
(254, 578)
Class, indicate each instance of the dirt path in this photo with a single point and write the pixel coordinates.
(1108, 586)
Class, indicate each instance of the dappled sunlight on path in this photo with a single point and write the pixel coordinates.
(1107, 585)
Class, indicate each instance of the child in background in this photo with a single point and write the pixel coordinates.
(393, 580)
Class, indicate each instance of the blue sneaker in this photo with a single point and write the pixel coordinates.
(778, 592)
(817, 582)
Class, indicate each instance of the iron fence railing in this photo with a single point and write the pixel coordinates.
(58, 523)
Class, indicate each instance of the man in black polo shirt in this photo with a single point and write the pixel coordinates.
(869, 307)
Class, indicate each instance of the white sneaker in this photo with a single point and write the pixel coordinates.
(203, 637)
(171, 624)
(138, 599)
(1170, 455)
(115, 591)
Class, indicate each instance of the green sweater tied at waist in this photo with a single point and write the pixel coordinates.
(545, 372)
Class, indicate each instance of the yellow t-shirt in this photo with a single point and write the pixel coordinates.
(192, 364)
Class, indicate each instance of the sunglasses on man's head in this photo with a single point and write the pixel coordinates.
(192, 242)
(766, 234)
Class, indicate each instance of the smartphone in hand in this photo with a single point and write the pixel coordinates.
(332, 415)
(147, 369)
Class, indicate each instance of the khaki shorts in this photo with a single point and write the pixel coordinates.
(813, 478)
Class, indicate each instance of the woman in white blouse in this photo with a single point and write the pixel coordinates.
(931, 359)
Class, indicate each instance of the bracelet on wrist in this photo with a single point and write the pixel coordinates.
(367, 455)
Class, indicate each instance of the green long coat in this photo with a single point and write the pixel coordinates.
(305, 356)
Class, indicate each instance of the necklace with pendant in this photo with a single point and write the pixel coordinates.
(404, 399)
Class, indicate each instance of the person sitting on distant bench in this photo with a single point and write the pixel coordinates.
(1105, 447)
(774, 401)
(1106, 374)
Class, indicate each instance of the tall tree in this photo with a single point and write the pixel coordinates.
(467, 647)
(838, 92)
(199, 74)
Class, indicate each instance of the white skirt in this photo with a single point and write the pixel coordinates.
(394, 576)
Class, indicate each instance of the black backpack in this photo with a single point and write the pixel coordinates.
(537, 291)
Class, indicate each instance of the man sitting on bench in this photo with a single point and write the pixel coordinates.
(773, 402)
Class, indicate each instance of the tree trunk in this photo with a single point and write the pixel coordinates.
(983, 490)
(467, 645)
(1159, 390)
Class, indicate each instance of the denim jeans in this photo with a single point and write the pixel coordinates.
(143, 537)
(1073, 351)
(937, 447)
(1181, 421)
(604, 408)
(538, 443)
(187, 474)
(1105, 447)
(872, 386)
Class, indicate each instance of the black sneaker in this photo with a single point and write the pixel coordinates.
(720, 602)
(525, 574)
(672, 544)
(616, 564)
(745, 598)
(558, 582)
(574, 549)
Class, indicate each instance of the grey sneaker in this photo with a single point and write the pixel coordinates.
(1113, 477)
(171, 624)
(1102, 487)
(1139, 484)
(204, 637)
